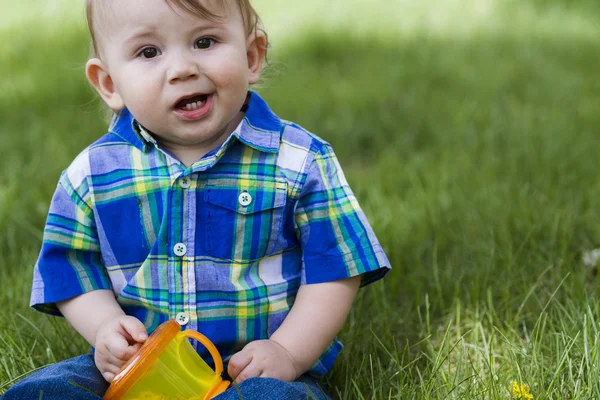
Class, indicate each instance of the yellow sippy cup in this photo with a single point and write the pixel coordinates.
(167, 367)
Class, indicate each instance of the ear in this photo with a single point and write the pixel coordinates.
(256, 48)
(97, 74)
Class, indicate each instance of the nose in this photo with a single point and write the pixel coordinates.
(182, 68)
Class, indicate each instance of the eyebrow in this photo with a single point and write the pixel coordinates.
(148, 32)
(140, 34)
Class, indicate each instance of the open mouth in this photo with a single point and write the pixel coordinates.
(192, 103)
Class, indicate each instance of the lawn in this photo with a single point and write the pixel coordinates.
(468, 130)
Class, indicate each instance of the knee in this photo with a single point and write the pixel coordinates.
(48, 386)
(22, 390)
(268, 388)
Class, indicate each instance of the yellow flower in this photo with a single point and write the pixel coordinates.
(521, 392)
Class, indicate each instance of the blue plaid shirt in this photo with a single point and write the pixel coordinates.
(222, 245)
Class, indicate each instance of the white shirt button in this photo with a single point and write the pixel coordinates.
(182, 318)
(245, 199)
(180, 249)
(185, 182)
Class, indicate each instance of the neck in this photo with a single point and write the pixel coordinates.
(188, 154)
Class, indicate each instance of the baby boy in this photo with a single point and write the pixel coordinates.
(199, 205)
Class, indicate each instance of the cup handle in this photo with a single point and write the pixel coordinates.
(209, 346)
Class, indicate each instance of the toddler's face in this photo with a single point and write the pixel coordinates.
(183, 77)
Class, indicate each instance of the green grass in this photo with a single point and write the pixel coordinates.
(468, 131)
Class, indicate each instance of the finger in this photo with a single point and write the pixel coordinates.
(111, 368)
(238, 362)
(109, 372)
(114, 360)
(120, 348)
(134, 328)
(127, 353)
(252, 370)
(108, 376)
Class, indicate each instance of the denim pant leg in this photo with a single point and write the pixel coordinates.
(75, 378)
(268, 388)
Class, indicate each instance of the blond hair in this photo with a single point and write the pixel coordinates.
(250, 17)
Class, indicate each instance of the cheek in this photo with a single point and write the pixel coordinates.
(138, 88)
(141, 96)
(232, 70)
(233, 80)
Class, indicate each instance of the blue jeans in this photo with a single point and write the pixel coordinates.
(78, 378)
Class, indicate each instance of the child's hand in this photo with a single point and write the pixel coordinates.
(116, 341)
(264, 358)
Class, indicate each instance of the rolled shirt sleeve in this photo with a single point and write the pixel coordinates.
(69, 263)
(336, 238)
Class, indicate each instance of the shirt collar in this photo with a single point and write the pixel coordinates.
(260, 128)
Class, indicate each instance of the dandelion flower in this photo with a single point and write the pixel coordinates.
(591, 258)
(521, 392)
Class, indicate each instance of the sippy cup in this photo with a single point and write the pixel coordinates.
(167, 367)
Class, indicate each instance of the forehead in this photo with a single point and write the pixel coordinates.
(203, 8)
(105, 11)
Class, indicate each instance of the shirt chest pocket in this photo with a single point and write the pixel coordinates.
(243, 218)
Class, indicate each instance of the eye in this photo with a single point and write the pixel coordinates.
(204, 43)
(149, 52)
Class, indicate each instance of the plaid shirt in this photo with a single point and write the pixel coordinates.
(222, 245)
